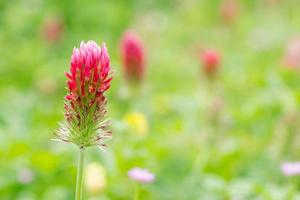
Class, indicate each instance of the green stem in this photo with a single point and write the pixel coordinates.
(288, 145)
(79, 179)
(137, 191)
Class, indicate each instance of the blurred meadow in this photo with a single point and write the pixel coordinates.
(204, 137)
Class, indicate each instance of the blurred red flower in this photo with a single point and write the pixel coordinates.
(133, 57)
(291, 57)
(229, 10)
(52, 30)
(210, 61)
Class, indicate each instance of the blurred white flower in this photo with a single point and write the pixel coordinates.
(25, 176)
(95, 178)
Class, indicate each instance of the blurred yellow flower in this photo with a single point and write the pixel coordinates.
(137, 123)
(95, 178)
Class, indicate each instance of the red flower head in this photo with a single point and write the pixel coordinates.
(210, 60)
(88, 79)
(133, 57)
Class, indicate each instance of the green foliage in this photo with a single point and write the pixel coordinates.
(235, 156)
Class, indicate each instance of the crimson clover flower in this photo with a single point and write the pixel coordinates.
(133, 57)
(85, 103)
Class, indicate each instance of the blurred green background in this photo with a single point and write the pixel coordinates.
(203, 139)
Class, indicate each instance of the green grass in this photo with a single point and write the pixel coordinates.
(258, 95)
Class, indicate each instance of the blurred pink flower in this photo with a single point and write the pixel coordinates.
(210, 61)
(291, 58)
(141, 175)
(290, 168)
(133, 56)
